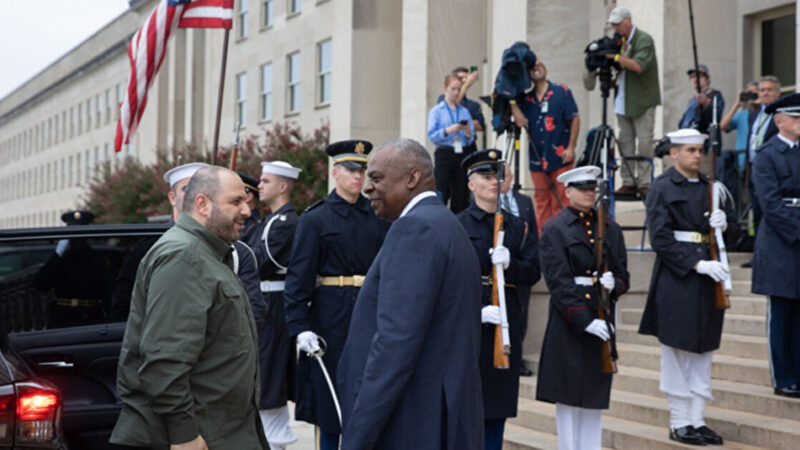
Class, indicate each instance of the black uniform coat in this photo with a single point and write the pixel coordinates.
(333, 238)
(501, 386)
(276, 352)
(408, 376)
(776, 265)
(570, 362)
(680, 302)
(247, 271)
(528, 214)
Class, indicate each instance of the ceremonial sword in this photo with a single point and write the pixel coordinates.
(317, 355)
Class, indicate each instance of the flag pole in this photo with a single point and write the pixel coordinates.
(219, 96)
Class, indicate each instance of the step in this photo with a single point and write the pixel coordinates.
(754, 305)
(747, 428)
(743, 397)
(749, 325)
(618, 433)
(723, 367)
(516, 437)
(732, 344)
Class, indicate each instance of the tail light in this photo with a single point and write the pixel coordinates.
(38, 412)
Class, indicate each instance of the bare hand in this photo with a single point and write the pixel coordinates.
(472, 77)
(568, 155)
(197, 443)
(456, 127)
(519, 118)
(703, 100)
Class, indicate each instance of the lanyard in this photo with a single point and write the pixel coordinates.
(450, 113)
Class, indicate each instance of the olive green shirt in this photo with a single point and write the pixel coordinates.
(188, 363)
(642, 91)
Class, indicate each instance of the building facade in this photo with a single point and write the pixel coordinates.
(371, 69)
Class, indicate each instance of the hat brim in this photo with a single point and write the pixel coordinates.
(352, 164)
(583, 184)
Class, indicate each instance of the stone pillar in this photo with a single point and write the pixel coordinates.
(181, 61)
(197, 107)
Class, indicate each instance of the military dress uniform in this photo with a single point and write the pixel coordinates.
(680, 308)
(500, 386)
(334, 246)
(776, 261)
(570, 364)
(251, 223)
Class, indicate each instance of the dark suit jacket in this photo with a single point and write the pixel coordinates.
(526, 211)
(408, 377)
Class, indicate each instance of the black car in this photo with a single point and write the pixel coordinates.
(62, 319)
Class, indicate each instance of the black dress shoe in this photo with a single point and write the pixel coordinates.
(525, 372)
(747, 265)
(709, 435)
(686, 435)
(791, 391)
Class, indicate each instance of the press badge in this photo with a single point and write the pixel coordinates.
(459, 148)
(544, 107)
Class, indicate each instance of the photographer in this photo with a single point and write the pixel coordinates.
(468, 78)
(698, 114)
(451, 129)
(732, 164)
(550, 115)
(636, 99)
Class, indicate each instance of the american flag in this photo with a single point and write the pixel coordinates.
(147, 48)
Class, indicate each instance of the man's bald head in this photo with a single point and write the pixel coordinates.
(397, 171)
(215, 197)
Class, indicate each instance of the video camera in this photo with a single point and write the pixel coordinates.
(511, 82)
(597, 50)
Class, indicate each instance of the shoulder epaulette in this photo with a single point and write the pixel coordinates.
(315, 204)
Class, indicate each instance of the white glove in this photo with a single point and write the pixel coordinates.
(490, 314)
(718, 219)
(713, 269)
(607, 280)
(62, 247)
(307, 342)
(598, 328)
(500, 255)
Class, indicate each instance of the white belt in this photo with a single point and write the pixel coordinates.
(791, 202)
(272, 286)
(585, 281)
(690, 236)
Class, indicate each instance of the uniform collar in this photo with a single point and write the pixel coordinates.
(678, 178)
(220, 248)
(288, 206)
(785, 140)
(342, 206)
(575, 215)
(477, 212)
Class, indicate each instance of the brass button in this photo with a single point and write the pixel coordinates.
(588, 272)
(589, 232)
(591, 241)
(588, 296)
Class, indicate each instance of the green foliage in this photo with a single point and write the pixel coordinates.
(132, 192)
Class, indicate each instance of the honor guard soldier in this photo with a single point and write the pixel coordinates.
(680, 309)
(336, 240)
(272, 244)
(776, 176)
(570, 369)
(518, 256)
(79, 277)
(251, 190)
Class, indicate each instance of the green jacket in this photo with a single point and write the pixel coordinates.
(641, 89)
(188, 363)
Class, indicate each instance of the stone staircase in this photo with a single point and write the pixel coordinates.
(745, 412)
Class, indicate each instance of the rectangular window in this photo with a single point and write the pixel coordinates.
(88, 167)
(63, 175)
(266, 91)
(242, 19)
(106, 155)
(96, 159)
(71, 168)
(269, 13)
(56, 129)
(98, 105)
(78, 169)
(80, 118)
(118, 99)
(64, 125)
(47, 186)
(49, 133)
(241, 98)
(88, 115)
(71, 121)
(324, 72)
(294, 7)
(108, 105)
(777, 52)
(293, 82)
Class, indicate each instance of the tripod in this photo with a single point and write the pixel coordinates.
(604, 138)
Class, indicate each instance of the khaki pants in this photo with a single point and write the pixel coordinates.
(631, 129)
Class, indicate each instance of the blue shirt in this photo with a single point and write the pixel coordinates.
(472, 106)
(740, 123)
(442, 116)
(549, 123)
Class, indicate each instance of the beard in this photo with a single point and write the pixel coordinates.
(222, 227)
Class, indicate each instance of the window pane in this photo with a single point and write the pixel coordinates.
(325, 56)
(777, 52)
(294, 67)
(268, 12)
(325, 89)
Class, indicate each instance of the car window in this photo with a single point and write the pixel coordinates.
(50, 283)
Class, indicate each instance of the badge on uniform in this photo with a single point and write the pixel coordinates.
(545, 107)
(457, 145)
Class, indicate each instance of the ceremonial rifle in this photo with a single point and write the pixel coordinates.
(608, 353)
(698, 113)
(235, 151)
(716, 243)
(502, 342)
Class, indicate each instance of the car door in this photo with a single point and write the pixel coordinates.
(58, 311)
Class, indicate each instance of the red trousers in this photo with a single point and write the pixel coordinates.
(544, 199)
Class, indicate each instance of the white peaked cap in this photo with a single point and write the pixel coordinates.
(579, 175)
(183, 171)
(280, 168)
(687, 136)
